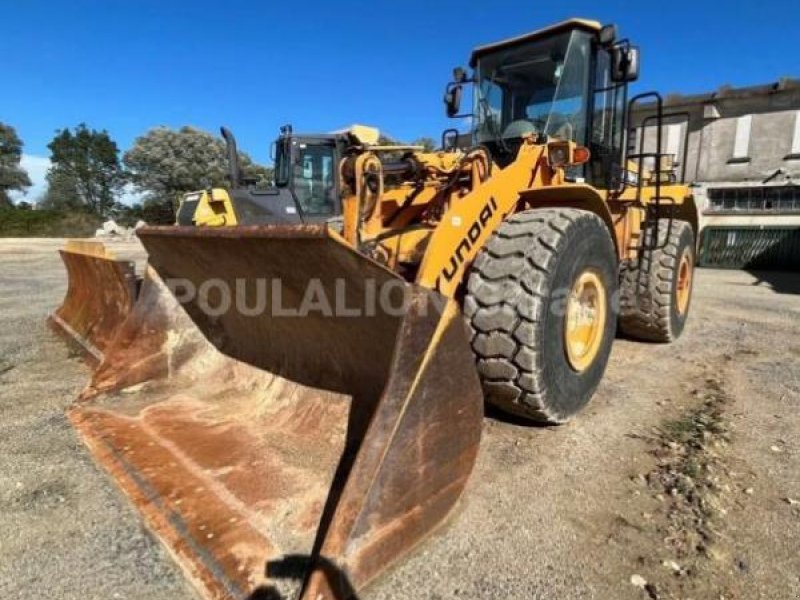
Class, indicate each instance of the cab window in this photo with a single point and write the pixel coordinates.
(313, 181)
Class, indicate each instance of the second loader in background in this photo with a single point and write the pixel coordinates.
(107, 305)
(306, 186)
(321, 435)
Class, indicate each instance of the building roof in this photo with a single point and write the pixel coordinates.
(586, 24)
(727, 92)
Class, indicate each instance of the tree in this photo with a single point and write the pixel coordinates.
(12, 176)
(385, 140)
(61, 193)
(165, 163)
(85, 170)
(429, 144)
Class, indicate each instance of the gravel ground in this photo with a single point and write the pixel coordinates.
(553, 513)
(66, 531)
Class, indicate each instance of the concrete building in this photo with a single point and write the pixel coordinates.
(738, 147)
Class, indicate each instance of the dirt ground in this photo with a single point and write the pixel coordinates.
(681, 479)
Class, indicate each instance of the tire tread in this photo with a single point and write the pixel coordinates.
(646, 286)
(514, 384)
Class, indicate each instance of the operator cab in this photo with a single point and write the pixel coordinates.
(565, 82)
(306, 165)
(305, 189)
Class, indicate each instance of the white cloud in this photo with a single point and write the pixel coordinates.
(37, 167)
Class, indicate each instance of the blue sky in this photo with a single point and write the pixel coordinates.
(127, 66)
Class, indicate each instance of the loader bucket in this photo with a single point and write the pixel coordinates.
(101, 291)
(153, 341)
(303, 446)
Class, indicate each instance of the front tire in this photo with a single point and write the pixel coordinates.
(539, 303)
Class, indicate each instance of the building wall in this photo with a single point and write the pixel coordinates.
(770, 141)
(720, 154)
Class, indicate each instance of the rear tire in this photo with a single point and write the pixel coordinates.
(523, 323)
(654, 293)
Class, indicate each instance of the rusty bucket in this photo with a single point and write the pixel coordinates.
(301, 446)
(101, 291)
(152, 342)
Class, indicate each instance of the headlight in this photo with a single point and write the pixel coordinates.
(558, 154)
(562, 154)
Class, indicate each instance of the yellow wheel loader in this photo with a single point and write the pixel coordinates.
(306, 187)
(103, 289)
(330, 415)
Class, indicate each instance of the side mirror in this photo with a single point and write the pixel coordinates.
(459, 75)
(453, 92)
(624, 64)
(452, 99)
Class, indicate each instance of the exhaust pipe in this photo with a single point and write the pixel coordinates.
(234, 172)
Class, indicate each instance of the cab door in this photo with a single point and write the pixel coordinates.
(315, 181)
(606, 125)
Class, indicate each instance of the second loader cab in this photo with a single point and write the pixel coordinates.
(306, 186)
(307, 165)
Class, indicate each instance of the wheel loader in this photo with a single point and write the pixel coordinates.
(306, 184)
(330, 416)
(103, 289)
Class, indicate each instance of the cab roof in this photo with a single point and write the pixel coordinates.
(585, 24)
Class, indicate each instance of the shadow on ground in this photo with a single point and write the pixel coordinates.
(296, 568)
(780, 282)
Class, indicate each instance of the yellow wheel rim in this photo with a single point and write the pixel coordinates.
(586, 320)
(683, 289)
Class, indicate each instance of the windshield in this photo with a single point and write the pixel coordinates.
(313, 177)
(308, 168)
(537, 87)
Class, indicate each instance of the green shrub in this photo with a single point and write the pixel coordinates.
(21, 222)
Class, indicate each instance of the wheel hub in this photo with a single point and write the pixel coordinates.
(683, 287)
(585, 320)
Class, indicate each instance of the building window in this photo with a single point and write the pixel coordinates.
(794, 153)
(674, 142)
(767, 199)
(741, 142)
